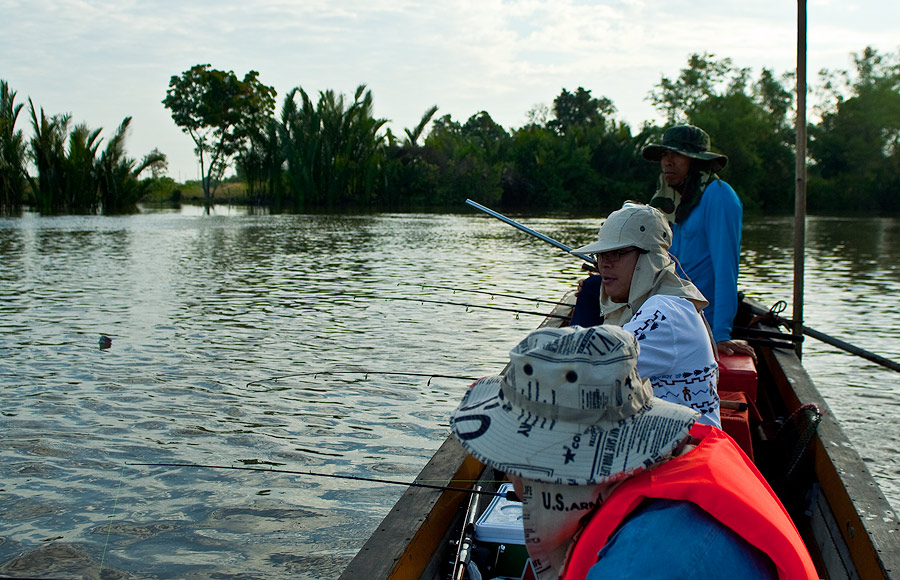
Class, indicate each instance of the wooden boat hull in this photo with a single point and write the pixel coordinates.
(847, 523)
(845, 520)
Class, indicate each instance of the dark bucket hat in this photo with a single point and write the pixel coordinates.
(688, 140)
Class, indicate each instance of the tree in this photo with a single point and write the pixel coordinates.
(579, 109)
(333, 152)
(408, 175)
(219, 112)
(580, 159)
(543, 166)
(466, 158)
(751, 124)
(262, 165)
(80, 170)
(299, 136)
(856, 146)
(118, 186)
(157, 163)
(47, 149)
(701, 79)
(12, 152)
(413, 135)
(354, 145)
(70, 175)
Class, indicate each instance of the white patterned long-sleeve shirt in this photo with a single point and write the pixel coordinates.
(676, 355)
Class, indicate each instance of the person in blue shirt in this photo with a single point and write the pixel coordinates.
(706, 217)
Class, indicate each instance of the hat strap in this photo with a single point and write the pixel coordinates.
(553, 411)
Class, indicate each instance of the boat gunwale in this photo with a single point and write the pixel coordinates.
(844, 479)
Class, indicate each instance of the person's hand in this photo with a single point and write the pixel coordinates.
(580, 286)
(593, 283)
(736, 347)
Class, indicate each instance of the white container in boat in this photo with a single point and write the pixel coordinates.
(501, 522)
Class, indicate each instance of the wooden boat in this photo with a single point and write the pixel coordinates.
(845, 520)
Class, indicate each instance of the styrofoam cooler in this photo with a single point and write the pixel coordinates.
(500, 528)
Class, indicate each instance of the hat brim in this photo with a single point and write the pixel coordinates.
(716, 161)
(510, 439)
(601, 246)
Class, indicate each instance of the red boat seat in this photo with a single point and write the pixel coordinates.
(737, 373)
(736, 411)
(737, 393)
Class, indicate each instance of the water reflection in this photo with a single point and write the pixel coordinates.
(221, 328)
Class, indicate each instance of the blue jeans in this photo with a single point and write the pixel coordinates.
(676, 540)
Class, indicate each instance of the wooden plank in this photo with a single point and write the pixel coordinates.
(835, 555)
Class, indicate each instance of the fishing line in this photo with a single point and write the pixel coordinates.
(315, 374)
(111, 518)
(492, 294)
(447, 302)
(331, 475)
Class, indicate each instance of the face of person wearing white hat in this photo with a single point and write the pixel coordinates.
(616, 268)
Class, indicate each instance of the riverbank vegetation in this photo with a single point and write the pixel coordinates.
(333, 152)
(71, 173)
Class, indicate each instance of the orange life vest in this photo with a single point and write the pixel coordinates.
(720, 479)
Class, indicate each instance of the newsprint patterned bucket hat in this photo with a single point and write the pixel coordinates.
(571, 409)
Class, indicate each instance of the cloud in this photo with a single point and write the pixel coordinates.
(103, 60)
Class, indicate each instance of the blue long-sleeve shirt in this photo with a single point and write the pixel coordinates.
(707, 244)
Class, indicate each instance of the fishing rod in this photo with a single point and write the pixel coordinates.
(315, 374)
(772, 339)
(492, 294)
(466, 543)
(811, 332)
(530, 231)
(511, 496)
(744, 332)
(779, 306)
(516, 311)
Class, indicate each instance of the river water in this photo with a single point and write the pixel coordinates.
(237, 340)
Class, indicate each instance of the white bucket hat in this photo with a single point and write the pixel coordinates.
(644, 227)
(571, 409)
(636, 224)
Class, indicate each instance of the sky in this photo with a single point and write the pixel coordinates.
(104, 60)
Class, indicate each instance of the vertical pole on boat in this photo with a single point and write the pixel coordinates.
(800, 172)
